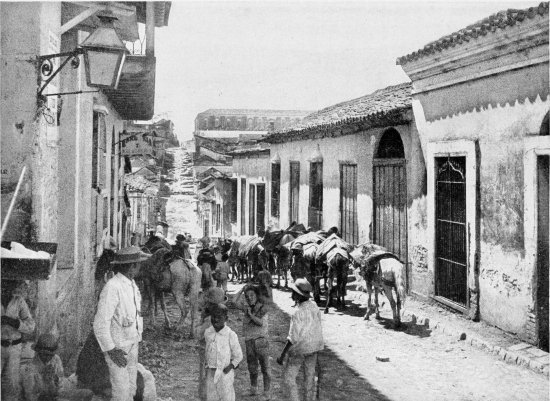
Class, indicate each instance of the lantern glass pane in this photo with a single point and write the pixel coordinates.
(103, 67)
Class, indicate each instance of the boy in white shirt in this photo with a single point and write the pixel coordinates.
(223, 355)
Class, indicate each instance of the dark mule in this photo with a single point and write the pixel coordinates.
(337, 269)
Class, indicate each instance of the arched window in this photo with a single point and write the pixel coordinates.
(390, 146)
(544, 126)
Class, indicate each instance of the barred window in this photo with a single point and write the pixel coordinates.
(233, 215)
(275, 188)
(348, 203)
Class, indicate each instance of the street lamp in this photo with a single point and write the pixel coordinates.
(104, 55)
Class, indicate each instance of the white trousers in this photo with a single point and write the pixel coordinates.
(11, 361)
(222, 390)
(124, 380)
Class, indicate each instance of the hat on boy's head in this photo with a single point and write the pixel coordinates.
(302, 287)
(215, 295)
(180, 238)
(47, 343)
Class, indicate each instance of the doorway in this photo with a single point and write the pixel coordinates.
(543, 206)
(390, 195)
(451, 271)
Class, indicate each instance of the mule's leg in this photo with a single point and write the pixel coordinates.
(180, 301)
(369, 304)
(396, 317)
(163, 306)
(329, 294)
(376, 305)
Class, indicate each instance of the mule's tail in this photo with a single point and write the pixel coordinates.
(400, 281)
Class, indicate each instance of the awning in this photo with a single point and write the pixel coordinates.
(29, 269)
(134, 99)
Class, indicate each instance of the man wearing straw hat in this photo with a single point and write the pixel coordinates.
(304, 341)
(118, 323)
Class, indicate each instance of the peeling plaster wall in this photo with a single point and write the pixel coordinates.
(505, 273)
(28, 140)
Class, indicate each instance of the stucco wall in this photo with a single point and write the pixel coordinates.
(360, 149)
(28, 140)
(505, 271)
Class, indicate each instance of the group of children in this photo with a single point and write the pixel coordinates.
(221, 352)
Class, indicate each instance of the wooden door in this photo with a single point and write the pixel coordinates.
(390, 205)
(252, 210)
(348, 203)
(260, 207)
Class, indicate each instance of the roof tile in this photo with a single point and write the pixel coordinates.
(501, 20)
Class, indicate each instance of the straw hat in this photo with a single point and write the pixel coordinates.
(302, 287)
(131, 254)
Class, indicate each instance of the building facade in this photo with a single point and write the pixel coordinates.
(73, 191)
(480, 100)
(372, 188)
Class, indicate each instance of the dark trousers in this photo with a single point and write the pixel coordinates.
(257, 351)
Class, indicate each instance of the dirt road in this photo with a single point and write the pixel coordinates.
(422, 365)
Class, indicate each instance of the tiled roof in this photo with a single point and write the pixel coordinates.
(250, 149)
(500, 20)
(255, 112)
(140, 184)
(382, 107)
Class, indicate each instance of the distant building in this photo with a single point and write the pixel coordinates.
(218, 133)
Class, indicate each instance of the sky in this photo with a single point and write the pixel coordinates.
(299, 55)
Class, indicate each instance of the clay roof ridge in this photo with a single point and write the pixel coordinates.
(501, 19)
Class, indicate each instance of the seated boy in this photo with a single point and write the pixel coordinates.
(43, 378)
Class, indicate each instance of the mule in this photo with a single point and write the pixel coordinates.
(165, 273)
(337, 269)
(274, 244)
(385, 274)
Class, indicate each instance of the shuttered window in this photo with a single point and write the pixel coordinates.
(233, 216)
(294, 192)
(348, 203)
(315, 195)
(275, 188)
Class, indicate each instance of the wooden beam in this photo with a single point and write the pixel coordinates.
(79, 18)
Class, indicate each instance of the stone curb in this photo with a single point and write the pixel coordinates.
(517, 354)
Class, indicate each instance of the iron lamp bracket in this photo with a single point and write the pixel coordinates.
(46, 67)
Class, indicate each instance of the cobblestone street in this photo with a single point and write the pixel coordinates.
(423, 364)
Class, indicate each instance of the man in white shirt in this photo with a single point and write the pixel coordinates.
(118, 323)
(304, 341)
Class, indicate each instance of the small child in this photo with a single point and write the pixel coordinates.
(265, 282)
(221, 274)
(43, 377)
(255, 331)
(223, 355)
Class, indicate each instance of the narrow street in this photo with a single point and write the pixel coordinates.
(423, 365)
